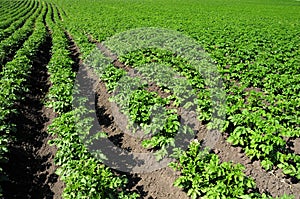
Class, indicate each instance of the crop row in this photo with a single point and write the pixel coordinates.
(13, 81)
(83, 175)
(15, 41)
(14, 21)
(57, 13)
(260, 79)
(136, 104)
(146, 108)
(254, 127)
(8, 10)
(202, 174)
(195, 79)
(258, 65)
(15, 24)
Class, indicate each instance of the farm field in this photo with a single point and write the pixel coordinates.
(150, 99)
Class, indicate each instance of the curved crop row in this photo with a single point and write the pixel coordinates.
(111, 77)
(60, 68)
(16, 20)
(18, 23)
(13, 83)
(202, 174)
(83, 175)
(5, 5)
(58, 13)
(54, 15)
(138, 103)
(8, 9)
(260, 129)
(15, 41)
(257, 56)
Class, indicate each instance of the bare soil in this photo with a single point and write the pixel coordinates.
(30, 169)
(159, 184)
(156, 184)
(150, 185)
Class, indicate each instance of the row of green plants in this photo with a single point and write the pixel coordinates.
(13, 82)
(263, 96)
(146, 110)
(60, 67)
(204, 175)
(4, 5)
(8, 8)
(192, 180)
(84, 175)
(15, 41)
(229, 181)
(182, 66)
(57, 12)
(250, 123)
(111, 74)
(20, 13)
(263, 114)
(258, 66)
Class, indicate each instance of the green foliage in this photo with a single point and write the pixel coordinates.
(147, 110)
(60, 96)
(256, 51)
(165, 136)
(255, 124)
(12, 18)
(84, 175)
(168, 59)
(13, 80)
(111, 76)
(202, 175)
(9, 9)
(140, 103)
(16, 23)
(16, 36)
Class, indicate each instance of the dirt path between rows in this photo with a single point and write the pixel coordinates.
(30, 169)
(157, 184)
(273, 182)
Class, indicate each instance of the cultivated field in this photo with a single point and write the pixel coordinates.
(150, 99)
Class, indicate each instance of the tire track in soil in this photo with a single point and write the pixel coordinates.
(30, 169)
(273, 182)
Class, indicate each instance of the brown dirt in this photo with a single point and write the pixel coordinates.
(294, 145)
(157, 184)
(108, 122)
(30, 169)
(273, 182)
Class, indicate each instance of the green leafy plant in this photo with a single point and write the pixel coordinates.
(203, 175)
(14, 76)
(84, 175)
(111, 76)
